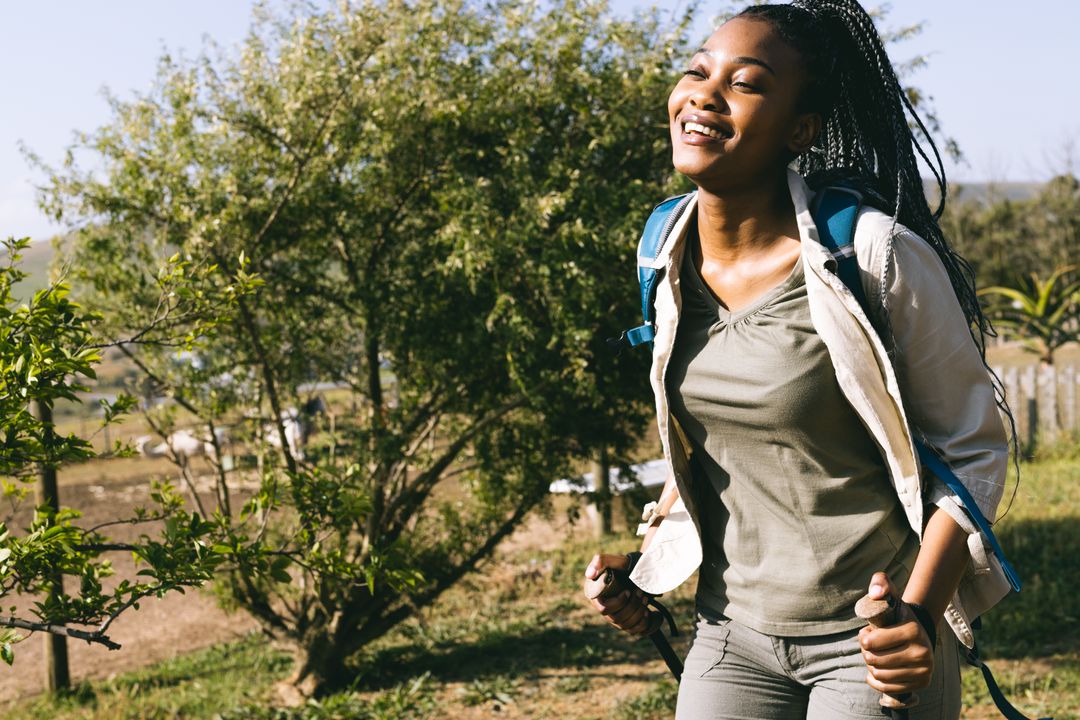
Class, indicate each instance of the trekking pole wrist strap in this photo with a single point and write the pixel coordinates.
(923, 616)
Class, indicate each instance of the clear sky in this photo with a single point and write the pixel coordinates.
(1002, 75)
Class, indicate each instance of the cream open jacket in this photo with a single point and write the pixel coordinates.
(935, 385)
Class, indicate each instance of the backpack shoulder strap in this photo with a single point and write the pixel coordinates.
(653, 238)
(835, 210)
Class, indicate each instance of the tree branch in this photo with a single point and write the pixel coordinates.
(89, 636)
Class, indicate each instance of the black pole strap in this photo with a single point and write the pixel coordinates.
(668, 653)
(1003, 705)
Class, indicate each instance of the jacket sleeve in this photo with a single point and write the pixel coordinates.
(947, 389)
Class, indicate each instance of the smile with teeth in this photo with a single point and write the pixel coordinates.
(693, 127)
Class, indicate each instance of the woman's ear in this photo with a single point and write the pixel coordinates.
(807, 128)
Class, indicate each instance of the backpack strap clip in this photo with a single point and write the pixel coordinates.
(653, 238)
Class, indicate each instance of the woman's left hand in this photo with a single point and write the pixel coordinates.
(899, 658)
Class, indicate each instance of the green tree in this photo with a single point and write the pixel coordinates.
(1006, 239)
(48, 347)
(1043, 314)
(441, 201)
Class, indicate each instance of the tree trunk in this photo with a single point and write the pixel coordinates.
(319, 669)
(602, 483)
(57, 674)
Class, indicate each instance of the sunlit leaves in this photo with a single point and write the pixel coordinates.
(1044, 314)
(432, 205)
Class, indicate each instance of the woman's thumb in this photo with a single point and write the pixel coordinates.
(880, 586)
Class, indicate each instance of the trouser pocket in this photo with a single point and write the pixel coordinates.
(707, 648)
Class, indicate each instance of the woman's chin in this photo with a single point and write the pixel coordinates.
(696, 168)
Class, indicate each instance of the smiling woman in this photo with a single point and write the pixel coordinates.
(787, 415)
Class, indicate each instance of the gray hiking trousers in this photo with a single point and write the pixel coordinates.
(732, 672)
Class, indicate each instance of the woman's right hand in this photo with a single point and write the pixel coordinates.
(627, 610)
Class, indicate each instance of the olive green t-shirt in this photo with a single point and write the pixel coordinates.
(797, 509)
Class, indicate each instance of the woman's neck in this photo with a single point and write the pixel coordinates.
(736, 224)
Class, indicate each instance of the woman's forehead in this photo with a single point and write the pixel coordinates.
(744, 38)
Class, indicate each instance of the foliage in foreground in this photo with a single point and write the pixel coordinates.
(48, 349)
(433, 196)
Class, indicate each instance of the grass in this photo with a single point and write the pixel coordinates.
(196, 685)
(516, 640)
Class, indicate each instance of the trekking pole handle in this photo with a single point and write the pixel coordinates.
(886, 613)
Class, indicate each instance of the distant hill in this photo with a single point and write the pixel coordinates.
(35, 261)
(985, 192)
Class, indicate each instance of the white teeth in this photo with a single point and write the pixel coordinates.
(700, 129)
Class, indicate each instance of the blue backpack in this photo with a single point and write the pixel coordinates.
(835, 210)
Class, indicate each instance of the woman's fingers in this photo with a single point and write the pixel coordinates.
(625, 610)
(897, 682)
(635, 620)
(640, 626)
(907, 656)
(882, 640)
(899, 659)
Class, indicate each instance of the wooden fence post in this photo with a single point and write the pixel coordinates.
(1047, 400)
(1029, 387)
(1069, 416)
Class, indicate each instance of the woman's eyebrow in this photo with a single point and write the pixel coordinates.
(741, 59)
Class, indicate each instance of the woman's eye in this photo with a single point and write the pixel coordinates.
(748, 86)
(695, 72)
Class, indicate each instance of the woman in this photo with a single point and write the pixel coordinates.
(786, 414)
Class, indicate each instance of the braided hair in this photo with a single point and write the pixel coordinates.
(866, 137)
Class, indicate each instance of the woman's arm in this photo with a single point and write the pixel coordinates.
(950, 402)
(946, 388)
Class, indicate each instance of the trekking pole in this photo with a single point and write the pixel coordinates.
(885, 613)
(612, 582)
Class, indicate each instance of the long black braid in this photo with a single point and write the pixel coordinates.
(866, 136)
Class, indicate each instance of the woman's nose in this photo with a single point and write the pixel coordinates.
(706, 100)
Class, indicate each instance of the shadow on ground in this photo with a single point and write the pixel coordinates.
(525, 652)
(1042, 620)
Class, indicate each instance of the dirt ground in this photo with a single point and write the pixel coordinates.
(160, 628)
(176, 624)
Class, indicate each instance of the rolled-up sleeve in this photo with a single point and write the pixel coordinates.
(947, 390)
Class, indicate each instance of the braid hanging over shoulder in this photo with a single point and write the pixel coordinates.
(867, 136)
(866, 132)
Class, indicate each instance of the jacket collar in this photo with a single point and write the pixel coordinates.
(814, 253)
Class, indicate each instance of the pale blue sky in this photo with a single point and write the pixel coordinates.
(1002, 76)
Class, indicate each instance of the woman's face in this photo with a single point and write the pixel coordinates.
(734, 114)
